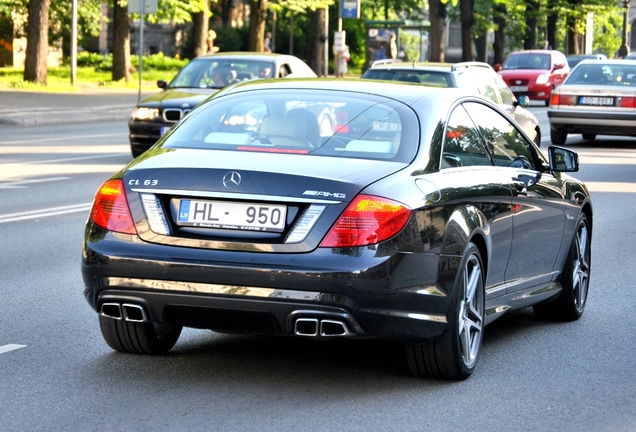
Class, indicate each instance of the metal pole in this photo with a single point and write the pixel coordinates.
(74, 43)
(141, 44)
(326, 52)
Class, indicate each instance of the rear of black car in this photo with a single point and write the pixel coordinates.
(235, 222)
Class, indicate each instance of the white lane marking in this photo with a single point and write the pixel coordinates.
(62, 160)
(78, 137)
(10, 347)
(24, 183)
(53, 211)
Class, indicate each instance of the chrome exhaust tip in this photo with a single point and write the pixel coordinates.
(111, 310)
(306, 327)
(134, 313)
(330, 328)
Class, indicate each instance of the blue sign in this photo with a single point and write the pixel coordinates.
(349, 8)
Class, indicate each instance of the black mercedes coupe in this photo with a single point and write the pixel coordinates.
(415, 214)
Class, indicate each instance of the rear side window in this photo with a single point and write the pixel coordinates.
(463, 145)
(330, 124)
(506, 144)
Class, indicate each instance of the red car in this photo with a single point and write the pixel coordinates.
(534, 73)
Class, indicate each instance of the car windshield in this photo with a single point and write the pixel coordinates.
(332, 124)
(528, 61)
(603, 74)
(219, 73)
(430, 78)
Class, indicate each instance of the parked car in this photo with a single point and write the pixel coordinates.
(573, 60)
(474, 76)
(598, 98)
(198, 80)
(534, 73)
(426, 216)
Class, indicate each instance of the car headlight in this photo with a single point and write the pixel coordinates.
(143, 113)
(543, 79)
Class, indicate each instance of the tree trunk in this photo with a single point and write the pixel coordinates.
(37, 49)
(316, 41)
(552, 23)
(467, 9)
(572, 36)
(226, 10)
(530, 39)
(200, 23)
(499, 45)
(437, 36)
(258, 15)
(121, 43)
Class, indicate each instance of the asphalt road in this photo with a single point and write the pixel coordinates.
(56, 372)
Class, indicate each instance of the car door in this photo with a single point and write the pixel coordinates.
(471, 178)
(538, 208)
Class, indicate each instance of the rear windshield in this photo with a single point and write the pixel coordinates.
(528, 61)
(603, 74)
(302, 122)
(429, 78)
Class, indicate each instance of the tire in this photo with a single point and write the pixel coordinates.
(575, 279)
(455, 353)
(589, 136)
(547, 102)
(139, 338)
(558, 136)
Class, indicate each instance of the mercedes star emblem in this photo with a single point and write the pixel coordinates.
(231, 180)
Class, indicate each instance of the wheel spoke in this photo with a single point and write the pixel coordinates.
(471, 312)
(580, 277)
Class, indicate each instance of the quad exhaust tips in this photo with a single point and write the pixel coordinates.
(126, 311)
(314, 327)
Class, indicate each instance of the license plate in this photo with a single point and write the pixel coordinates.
(594, 100)
(163, 130)
(519, 88)
(229, 215)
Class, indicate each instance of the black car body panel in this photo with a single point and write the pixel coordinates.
(403, 148)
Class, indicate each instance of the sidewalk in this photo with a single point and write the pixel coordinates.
(27, 108)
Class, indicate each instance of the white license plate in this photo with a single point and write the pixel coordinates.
(519, 88)
(594, 100)
(163, 130)
(228, 215)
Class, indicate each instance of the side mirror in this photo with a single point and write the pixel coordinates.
(162, 84)
(562, 159)
(497, 67)
(523, 101)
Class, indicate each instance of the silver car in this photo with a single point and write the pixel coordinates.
(477, 77)
(598, 98)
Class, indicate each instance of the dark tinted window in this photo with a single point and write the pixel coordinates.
(430, 78)
(324, 123)
(506, 144)
(462, 144)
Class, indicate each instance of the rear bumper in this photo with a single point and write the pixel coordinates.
(374, 292)
(611, 123)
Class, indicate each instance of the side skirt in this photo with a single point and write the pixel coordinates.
(520, 299)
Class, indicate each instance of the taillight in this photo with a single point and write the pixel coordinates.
(367, 220)
(559, 99)
(628, 102)
(110, 208)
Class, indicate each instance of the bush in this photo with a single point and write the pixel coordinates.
(159, 62)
